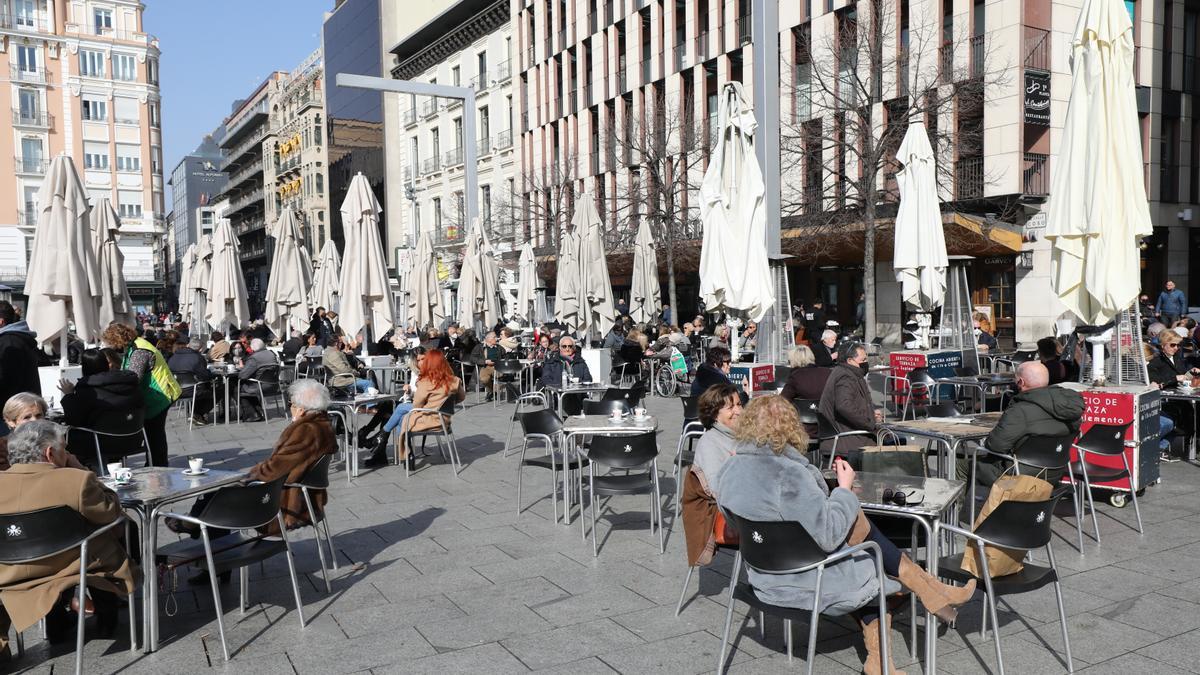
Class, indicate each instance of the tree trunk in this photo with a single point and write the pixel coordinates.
(869, 270)
(672, 300)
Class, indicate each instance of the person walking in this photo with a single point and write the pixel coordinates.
(1171, 304)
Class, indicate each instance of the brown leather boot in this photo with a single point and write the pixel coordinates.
(874, 664)
(941, 599)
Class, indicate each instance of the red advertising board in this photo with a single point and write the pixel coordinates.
(1137, 407)
(761, 376)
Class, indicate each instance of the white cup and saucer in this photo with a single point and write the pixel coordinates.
(195, 467)
(639, 413)
(616, 416)
(372, 392)
(121, 475)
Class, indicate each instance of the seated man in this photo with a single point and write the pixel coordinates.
(485, 356)
(260, 357)
(1038, 410)
(824, 348)
(566, 360)
(292, 346)
(846, 403)
(45, 475)
(338, 358)
(1050, 354)
(189, 360)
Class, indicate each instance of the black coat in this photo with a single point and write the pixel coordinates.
(552, 369)
(707, 375)
(292, 347)
(821, 354)
(100, 399)
(190, 361)
(1163, 371)
(18, 361)
(806, 383)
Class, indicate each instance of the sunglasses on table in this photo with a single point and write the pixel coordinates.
(898, 497)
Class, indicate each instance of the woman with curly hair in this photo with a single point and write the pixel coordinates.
(769, 479)
(158, 385)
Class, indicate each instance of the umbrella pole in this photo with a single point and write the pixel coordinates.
(63, 361)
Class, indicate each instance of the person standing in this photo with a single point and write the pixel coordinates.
(1171, 304)
(159, 387)
(18, 357)
(814, 318)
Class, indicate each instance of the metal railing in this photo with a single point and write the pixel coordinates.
(33, 165)
(504, 70)
(525, 121)
(1035, 176)
(246, 200)
(480, 81)
(452, 157)
(946, 63)
(409, 116)
(701, 49)
(968, 178)
(24, 23)
(621, 81)
(745, 30)
(681, 56)
(647, 70)
(504, 139)
(814, 201)
(431, 164)
(36, 74)
(573, 101)
(445, 236)
(429, 107)
(977, 55)
(483, 147)
(1036, 47)
(25, 118)
(529, 56)
(252, 252)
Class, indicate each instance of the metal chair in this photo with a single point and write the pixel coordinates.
(922, 391)
(690, 411)
(572, 403)
(781, 547)
(313, 367)
(43, 534)
(266, 380)
(1042, 453)
(690, 476)
(605, 408)
(826, 431)
(191, 387)
(1103, 440)
(317, 478)
(624, 452)
(632, 396)
(543, 427)
(238, 507)
(508, 371)
(685, 455)
(442, 432)
(1013, 525)
(127, 427)
(531, 399)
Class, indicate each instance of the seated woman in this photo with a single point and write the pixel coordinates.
(19, 409)
(769, 479)
(100, 400)
(715, 370)
(807, 379)
(719, 408)
(435, 383)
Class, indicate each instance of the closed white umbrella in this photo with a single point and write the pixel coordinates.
(365, 292)
(596, 307)
(920, 247)
(404, 274)
(735, 273)
(425, 294)
(289, 280)
(115, 303)
(63, 285)
(199, 280)
(470, 282)
(566, 301)
(226, 304)
(526, 284)
(645, 293)
(326, 278)
(186, 264)
(1098, 209)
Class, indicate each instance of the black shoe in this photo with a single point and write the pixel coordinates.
(366, 438)
(490, 398)
(379, 456)
(253, 418)
(199, 420)
(202, 579)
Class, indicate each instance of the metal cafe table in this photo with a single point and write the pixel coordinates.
(577, 426)
(949, 433)
(143, 499)
(347, 409)
(229, 373)
(557, 390)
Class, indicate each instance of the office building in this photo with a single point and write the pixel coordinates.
(194, 181)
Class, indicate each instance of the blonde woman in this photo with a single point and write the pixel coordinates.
(768, 478)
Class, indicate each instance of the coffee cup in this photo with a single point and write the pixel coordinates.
(616, 414)
(113, 468)
(123, 474)
(639, 412)
(196, 464)
(372, 391)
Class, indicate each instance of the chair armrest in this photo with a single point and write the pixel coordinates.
(966, 534)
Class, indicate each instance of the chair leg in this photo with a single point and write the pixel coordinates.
(291, 567)
(317, 538)
(991, 606)
(243, 583)
(521, 465)
(508, 438)
(216, 592)
(1133, 493)
(657, 512)
(683, 592)
(329, 541)
(592, 506)
(814, 621)
(1062, 612)
(1075, 505)
(83, 550)
(737, 564)
(787, 636)
(1087, 489)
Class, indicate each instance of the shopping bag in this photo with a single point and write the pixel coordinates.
(678, 362)
(1004, 561)
(894, 460)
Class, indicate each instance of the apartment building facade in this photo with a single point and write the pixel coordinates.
(295, 167)
(83, 78)
(245, 131)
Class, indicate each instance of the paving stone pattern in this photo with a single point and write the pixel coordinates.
(439, 574)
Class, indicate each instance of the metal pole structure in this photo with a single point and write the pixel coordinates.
(765, 45)
(466, 94)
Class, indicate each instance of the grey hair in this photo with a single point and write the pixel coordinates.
(195, 343)
(17, 403)
(800, 356)
(27, 443)
(309, 395)
(825, 335)
(257, 345)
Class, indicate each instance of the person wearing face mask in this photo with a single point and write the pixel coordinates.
(846, 403)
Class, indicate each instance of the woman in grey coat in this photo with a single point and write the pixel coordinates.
(767, 479)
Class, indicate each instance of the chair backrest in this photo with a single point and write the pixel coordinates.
(825, 428)
(1104, 439)
(920, 376)
(127, 423)
(605, 407)
(241, 507)
(942, 409)
(781, 375)
(1045, 452)
(572, 403)
(690, 407)
(623, 452)
(39, 534)
(775, 547)
(448, 406)
(508, 367)
(543, 422)
(267, 375)
(1024, 355)
(1021, 525)
(317, 476)
(631, 395)
(806, 408)
(185, 379)
(966, 371)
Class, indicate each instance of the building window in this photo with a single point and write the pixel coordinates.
(437, 214)
(124, 67)
(95, 155)
(156, 159)
(27, 58)
(91, 63)
(95, 110)
(28, 104)
(26, 13)
(129, 203)
(320, 184)
(129, 158)
(125, 110)
(152, 71)
(102, 21)
(456, 76)
(154, 119)
(485, 202)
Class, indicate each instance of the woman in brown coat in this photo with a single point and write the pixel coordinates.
(435, 384)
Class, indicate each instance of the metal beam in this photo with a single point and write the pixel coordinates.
(765, 45)
(465, 94)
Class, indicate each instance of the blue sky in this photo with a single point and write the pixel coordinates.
(217, 51)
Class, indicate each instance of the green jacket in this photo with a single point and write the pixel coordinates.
(1048, 411)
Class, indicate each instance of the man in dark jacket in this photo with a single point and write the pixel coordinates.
(846, 403)
(1038, 410)
(567, 360)
(260, 357)
(292, 346)
(188, 360)
(814, 319)
(1171, 304)
(715, 370)
(485, 355)
(18, 357)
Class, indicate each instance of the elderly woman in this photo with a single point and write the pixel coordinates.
(719, 408)
(19, 409)
(769, 479)
(807, 379)
(158, 385)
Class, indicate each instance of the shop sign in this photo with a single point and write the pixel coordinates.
(1037, 98)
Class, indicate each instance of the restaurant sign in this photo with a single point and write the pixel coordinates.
(1037, 98)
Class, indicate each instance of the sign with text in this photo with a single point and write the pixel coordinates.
(1138, 410)
(1037, 98)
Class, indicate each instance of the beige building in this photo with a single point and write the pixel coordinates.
(83, 79)
(295, 166)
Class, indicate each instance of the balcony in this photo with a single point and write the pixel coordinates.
(573, 101)
(23, 23)
(946, 63)
(1036, 47)
(255, 196)
(452, 157)
(431, 165)
(813, 199)
(29, 218)
(33, 165)
(622, 81)
(681, 57)
(504, 140)
(968, 178)
(26, 118)
(409, 117)
(34, 75)
(429, 108)
(976, 45)
(449, 235)
(251, 252)
(745, 30)
(504, 71)
(1035, 176)
(589, 95)
(480, 81)
(483, 147)
(248, 226)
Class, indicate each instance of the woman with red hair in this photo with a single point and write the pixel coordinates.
(435, 383)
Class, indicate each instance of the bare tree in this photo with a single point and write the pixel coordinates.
(664, 152)
(856, 89)
(541, 208)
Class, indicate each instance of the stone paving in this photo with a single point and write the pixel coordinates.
(439, 574)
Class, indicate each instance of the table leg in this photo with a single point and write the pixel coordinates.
(227, 399)
(566, 482)
(934, 546)
(149, 576)
(1195, 431)
(151, 536)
